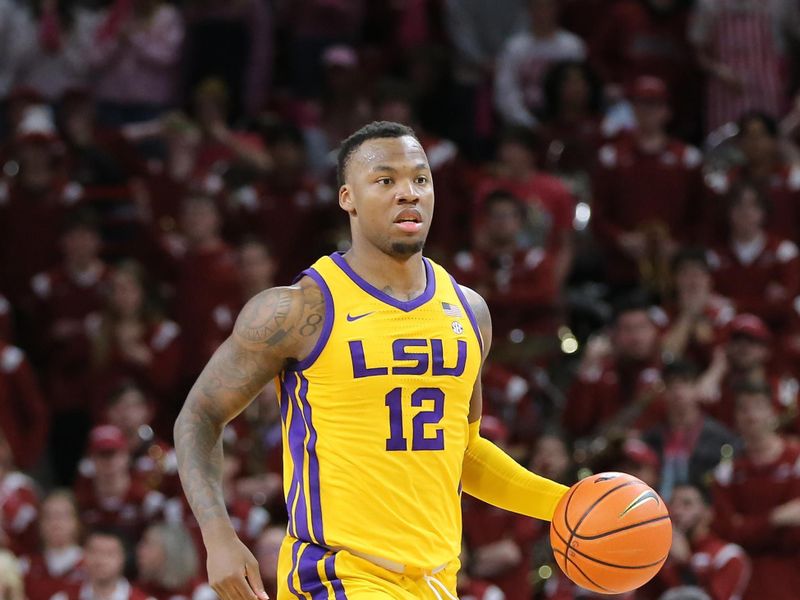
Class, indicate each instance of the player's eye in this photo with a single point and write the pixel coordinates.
(385, 180)
(422, 180)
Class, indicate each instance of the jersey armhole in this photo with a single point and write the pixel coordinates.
(327, 324)
(470, 314)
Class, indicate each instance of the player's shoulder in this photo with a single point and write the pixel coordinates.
(481, 311)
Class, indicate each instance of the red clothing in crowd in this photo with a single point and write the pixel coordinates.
(551, 204)
(709, 331)
(207, 296)
(52, 572)
(600, 394)
(30, 225)
(160, 376)
(656, 194)
(520, 288)
(123, 591)
(19, 510)
(480, 590)
(485, 525)
(784, 395)
(131, 513)
(23, 413)
(6, 322)
(720, 568)
(761, 278)
(743, 517)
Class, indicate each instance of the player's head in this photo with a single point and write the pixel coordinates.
(104, 555)
(505, 217)
(386, 188)
(689, 508)
(59, 525)
(756, 416)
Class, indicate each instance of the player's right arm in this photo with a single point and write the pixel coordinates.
(277, 327)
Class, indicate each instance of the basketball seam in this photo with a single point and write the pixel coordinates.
(626, 528)
(568, 560)
(608, 564)
(566, 522)
(572, 532)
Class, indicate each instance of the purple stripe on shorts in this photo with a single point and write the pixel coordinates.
(470, 314)
(290, 496)
(330, 574)
(293, 570)
(407, 306)
(313, 465)
(327, 324)
(310, 581)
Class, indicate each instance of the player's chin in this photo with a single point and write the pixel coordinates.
(406, 248)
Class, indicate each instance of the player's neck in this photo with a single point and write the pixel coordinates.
(401, 278)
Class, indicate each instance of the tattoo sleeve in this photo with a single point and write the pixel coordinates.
(276, 327)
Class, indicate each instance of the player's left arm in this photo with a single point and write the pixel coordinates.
(490, 474)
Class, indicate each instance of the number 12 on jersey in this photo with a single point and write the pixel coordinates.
(397, 441)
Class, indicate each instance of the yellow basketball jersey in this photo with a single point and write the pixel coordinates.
(375, 419)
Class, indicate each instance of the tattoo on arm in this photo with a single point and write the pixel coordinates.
(274, 328)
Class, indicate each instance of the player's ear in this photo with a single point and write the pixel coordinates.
(346, 200)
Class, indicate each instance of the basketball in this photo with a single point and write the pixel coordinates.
(611, 533)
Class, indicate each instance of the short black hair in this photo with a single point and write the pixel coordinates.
(499, 196)
(374, 131)
(768, 121)
(690, 255)
(679, 370)
(634, 301)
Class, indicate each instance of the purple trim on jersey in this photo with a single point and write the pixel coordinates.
(313, 464)
(407, 306)
(330, 574)
(284, 404)
(327, 324)
(290, 578)
(296, 437)
(470, 314)
(310, 581)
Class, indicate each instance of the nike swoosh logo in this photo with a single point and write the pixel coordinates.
(641, 499)
(357, 317)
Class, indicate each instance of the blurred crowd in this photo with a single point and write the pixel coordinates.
(620, 179)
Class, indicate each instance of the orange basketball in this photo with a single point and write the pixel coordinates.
(611, 533)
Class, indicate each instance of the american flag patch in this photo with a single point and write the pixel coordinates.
(451, 310)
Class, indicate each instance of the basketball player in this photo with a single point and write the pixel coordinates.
(377, 355)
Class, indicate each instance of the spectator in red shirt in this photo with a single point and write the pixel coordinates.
(517, 280)
(153, 460)
(760, 272)
(167, 563)
(38, 197)
(207, 284)
(104, 557)
(59, 565)
(698, 316)
(757, 498)
(19, 505)
(699, 557)
(620, 373)
(131, 340)
(648, 37)
(648, 189)
(551, 207)
(116, 497)
(24, 419)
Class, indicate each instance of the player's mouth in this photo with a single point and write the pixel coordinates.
(409, 220)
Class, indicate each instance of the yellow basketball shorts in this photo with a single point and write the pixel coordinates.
(311, 572)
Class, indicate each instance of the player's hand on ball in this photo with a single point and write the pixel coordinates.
(233, 571)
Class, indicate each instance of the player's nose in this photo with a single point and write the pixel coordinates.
(407, 192)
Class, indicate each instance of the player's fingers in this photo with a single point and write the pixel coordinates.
(255, 581)
(242, 588)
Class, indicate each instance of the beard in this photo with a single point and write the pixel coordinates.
(406, 249)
